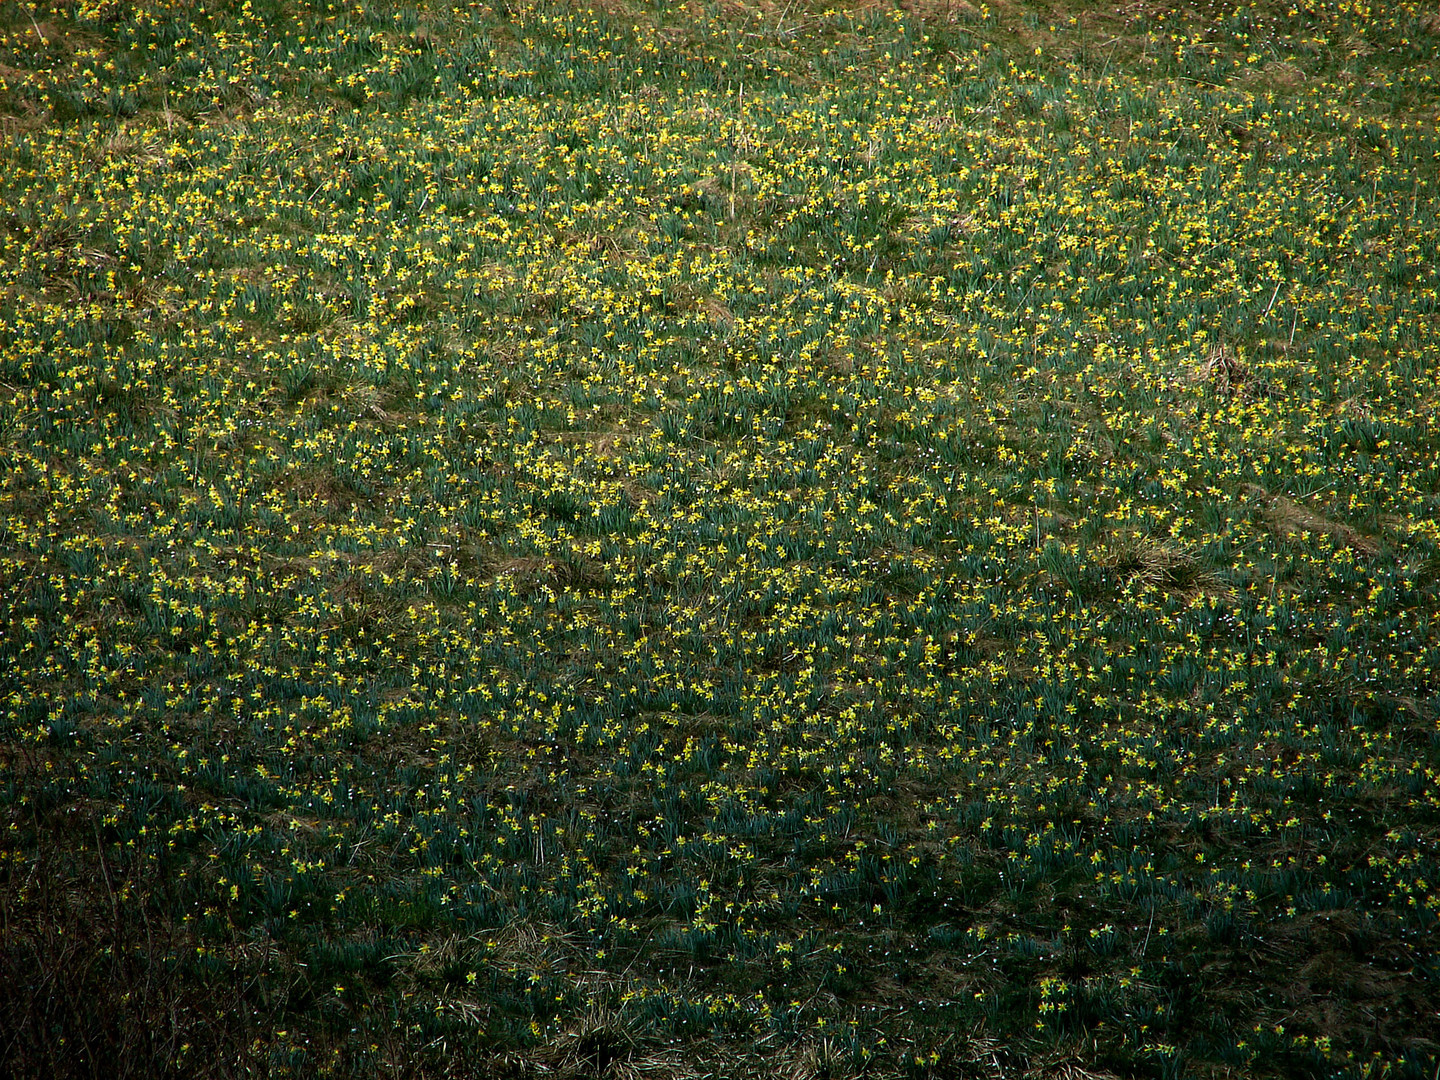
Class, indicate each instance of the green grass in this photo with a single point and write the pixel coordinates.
(719, 541)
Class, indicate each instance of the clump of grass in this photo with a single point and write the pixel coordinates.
(1227, 375)
(1146, 563)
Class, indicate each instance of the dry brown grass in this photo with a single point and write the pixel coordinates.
(1228, 375)
(1288, 518)
(1150, 563)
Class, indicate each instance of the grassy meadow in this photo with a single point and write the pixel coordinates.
(719, 540)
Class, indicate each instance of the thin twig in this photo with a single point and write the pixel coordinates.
(38, 32)
(1270, 305)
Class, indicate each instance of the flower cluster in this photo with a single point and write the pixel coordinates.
(572, 510)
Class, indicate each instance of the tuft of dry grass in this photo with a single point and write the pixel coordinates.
(1148, 563)
(1289, 518)
(1227, 373)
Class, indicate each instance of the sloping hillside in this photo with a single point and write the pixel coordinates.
(723, 540)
